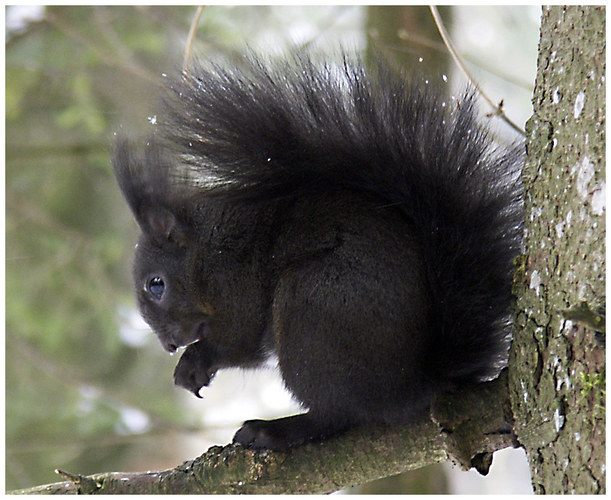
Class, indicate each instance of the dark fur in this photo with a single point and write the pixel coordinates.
(345, 220)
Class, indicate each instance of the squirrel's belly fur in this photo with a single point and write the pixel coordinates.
(356, 224)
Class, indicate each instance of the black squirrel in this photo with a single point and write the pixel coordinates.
(335, 215)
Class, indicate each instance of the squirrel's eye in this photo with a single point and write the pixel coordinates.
(156, 287)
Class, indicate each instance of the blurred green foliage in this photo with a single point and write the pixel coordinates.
(69, 376)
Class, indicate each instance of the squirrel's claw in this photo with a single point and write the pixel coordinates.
(192, 377)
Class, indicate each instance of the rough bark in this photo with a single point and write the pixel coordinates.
(557, 370)
(465, 428)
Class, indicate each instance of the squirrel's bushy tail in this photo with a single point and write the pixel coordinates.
(296, 127)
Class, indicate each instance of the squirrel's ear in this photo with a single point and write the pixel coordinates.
(161, 225)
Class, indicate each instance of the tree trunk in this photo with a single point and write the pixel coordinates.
(408, 35)
(557, 370)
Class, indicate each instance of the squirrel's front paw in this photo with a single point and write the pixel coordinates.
(191, 373)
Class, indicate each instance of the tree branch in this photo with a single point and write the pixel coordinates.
(464, 427)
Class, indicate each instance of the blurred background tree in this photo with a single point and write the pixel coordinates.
(88, 388)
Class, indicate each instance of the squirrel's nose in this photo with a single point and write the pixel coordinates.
(169, 345)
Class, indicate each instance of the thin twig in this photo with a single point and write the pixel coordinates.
(79, 480)
(191, 39)
(498, 110)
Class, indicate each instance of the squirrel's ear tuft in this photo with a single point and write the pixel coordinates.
(144, 183)
(132, 176)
